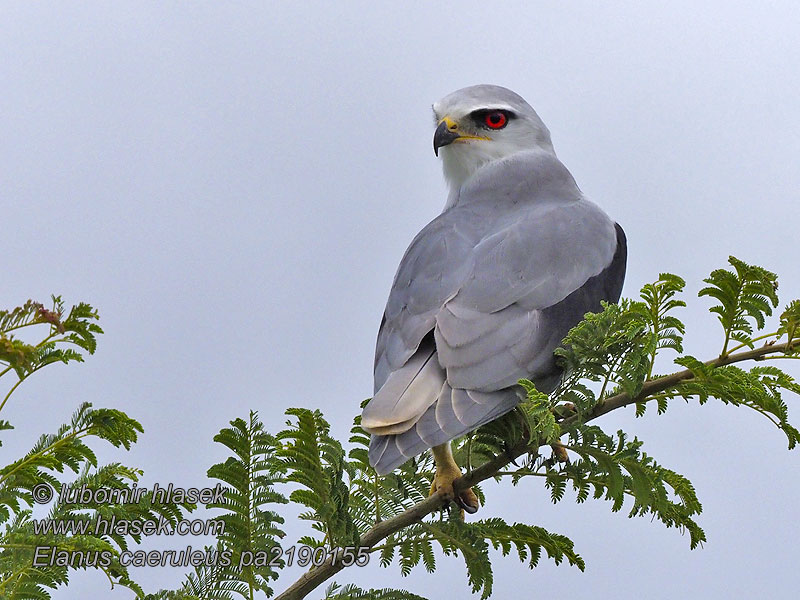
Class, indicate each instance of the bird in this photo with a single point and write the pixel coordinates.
(487, 290)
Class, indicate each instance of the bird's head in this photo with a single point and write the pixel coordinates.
(483, 123)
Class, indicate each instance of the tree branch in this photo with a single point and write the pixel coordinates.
(668, 381)
(316, 576)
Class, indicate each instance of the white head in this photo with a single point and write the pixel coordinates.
(483, 123)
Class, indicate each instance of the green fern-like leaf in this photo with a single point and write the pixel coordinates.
(612, 347)
(310, 457)
(250, 527)
(760, 389)
(90, 537)
(65, 449)
(615, 469)
(659, 300)
(790, 322)
(746, 295)
(352, 592)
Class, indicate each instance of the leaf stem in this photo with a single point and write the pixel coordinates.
(755, 339)
(376, 489)
(74, 435)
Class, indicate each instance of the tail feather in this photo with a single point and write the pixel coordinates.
(406, 395)
(440, 423)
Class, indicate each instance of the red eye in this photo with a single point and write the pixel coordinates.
(495, 120)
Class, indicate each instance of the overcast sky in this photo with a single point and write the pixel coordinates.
(232, 185)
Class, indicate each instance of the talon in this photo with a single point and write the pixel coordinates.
(443, 487)
(468, 501)
(447, 471)
(560, 453)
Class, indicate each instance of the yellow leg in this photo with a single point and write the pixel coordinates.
(447, 471)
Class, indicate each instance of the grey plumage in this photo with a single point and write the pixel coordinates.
(488, 289)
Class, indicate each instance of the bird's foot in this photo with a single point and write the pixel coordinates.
(560, 452)
(443, 485)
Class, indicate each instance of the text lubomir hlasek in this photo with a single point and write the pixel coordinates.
(160, 495)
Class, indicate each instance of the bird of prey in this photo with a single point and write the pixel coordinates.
(487, 290)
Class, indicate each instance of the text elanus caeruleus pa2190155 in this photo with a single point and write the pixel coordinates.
(487, 290)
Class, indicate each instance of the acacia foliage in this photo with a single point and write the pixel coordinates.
(63, 458)
(609, 360)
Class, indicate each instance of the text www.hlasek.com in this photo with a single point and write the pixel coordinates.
(128, 526)
(51, 555)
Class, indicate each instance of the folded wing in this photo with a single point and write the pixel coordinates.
(483, 296)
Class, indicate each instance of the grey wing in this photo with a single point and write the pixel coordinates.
(482, 298)
(497, 328)
(408, 377)
(431, 271)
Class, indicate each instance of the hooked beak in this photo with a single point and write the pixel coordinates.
(446, 133)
